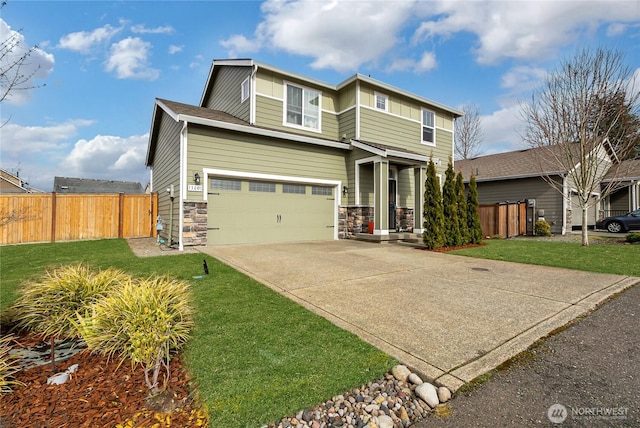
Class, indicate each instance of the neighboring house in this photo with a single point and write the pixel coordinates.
(518, 176)
(626, 195)
(273, 156)
(90, 185)
(12, 183)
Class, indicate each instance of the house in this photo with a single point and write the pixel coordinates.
(12, 183)
(625, 196)
(91, 185)
(272, 156)
(520, 176)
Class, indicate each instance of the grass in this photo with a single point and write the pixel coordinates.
(254, 355)
(603, 258)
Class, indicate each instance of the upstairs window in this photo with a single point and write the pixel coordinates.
(244, 90)
(382, 102)
(428, 128)
(303, 107)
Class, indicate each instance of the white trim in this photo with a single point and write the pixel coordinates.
(422, 126)
(357, 167)
(337, 113)
(358, 107)
(245, 96)
(283, 178)
(382, 230)
(252, 91)
(382, 96)
(389, 153)
(286, 83)
(566, 197)
(183, 184)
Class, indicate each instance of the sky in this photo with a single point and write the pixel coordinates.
(99, 65)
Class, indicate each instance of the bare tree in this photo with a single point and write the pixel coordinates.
(571, 120)
(468, 135)
(12, 63)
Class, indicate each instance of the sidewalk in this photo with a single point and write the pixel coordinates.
(591, 369)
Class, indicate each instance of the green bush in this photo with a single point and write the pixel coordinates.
(542, 228)
(8, 366)
(144, 321)
(633, 237)
(48, 307)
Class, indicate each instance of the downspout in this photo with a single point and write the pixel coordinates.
(565, 191)
(635, 196)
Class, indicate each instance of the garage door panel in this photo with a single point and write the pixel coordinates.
(243, 216)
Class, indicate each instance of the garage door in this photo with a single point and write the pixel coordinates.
(244, 211)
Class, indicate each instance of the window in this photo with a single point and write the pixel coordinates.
(224, 184)
(428, 128)
(294, 188)
(303, 107)
(382, 102)
(322, 190)
(244, 90)
(262, 186)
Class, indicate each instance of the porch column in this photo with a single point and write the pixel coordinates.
(418, 198)
(381, 197)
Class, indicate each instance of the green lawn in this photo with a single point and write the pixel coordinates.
(254, 355)
(605, 258)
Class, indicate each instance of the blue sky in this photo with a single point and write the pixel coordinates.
(100, 65)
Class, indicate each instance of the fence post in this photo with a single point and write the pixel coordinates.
(53, 216)
(120, 214)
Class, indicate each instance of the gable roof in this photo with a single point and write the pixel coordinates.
(90, 185)
(389, 151)
(628, 170)
(12, 183)
(247, 62)
(218, 119)
(509, 165)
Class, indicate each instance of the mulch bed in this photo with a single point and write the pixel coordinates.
(98, 394)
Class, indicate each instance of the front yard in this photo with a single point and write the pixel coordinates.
(254, 355)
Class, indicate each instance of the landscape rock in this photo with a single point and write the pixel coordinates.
(415, 379)
(444, 394)
(401, 372)
(385, 421)
(428, 394)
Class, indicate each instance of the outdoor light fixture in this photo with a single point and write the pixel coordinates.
(196, 178)
(345, 190)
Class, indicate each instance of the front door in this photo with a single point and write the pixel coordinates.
(392, 204)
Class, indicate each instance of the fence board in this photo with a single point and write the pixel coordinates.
(505, 219)
(66, 217)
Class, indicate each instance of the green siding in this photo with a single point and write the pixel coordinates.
(347, 125)
(269, 113)
(346, 98)
(209, 148)
(226, 92)
(166, 171)
(405, 198)
(379, 127)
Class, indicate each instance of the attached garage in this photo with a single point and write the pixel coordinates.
(250, 210)
(576, 212)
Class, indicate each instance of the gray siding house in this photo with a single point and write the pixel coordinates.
(273, 156)
(518, 176)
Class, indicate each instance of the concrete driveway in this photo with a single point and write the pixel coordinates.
(448, 317)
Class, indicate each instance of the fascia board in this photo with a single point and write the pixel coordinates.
(388, 153)
(289, 74)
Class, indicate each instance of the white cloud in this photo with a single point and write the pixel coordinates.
(521, 29)
(502, 130)
(341, 35)
(109, 157)
(128, 58)
(38, 66)
(174, 49)
(141, 29)
(18, 140)
(427, 62)
(84, 41)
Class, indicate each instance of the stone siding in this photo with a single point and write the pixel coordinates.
(194, 230)
(353, 219)
(404, 219)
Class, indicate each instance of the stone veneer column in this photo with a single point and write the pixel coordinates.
(194, 230)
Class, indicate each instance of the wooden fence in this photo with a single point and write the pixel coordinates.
(54, 217)
(507, 219)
